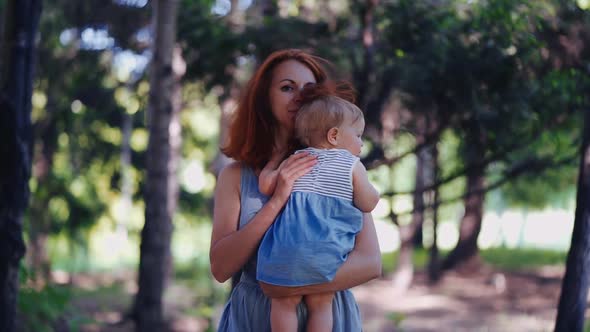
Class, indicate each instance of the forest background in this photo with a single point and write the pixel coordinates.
(474, 138)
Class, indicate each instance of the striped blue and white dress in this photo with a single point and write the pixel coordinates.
(316, 230)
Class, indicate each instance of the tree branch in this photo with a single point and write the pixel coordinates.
(527, 165)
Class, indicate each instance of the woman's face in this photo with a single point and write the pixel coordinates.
(288, 78)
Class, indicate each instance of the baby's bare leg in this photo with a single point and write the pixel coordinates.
(283, 313)
(319, 308)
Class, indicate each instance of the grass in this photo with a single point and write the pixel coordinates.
(511, 259)
(518, 259)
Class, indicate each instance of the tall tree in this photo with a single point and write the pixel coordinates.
(466, 250)
(161, 191)
(18, 49)
(574, 290)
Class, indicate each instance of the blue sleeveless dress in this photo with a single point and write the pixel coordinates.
(248, 309)
(316, 230)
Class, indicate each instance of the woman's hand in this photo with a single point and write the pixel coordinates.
(290, 170)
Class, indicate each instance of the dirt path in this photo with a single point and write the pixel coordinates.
(487, 301)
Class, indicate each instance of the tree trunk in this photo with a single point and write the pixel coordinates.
(411, 235)
(466, 250)
(365, 76)
(161, 188)
(574, 290)
(18, 49)
(433, 262)
(404, 270)
(122, 220)
(418, 199)
(38, 222)
(228, 105)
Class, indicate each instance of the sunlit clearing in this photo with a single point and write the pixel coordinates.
(59, 208)
(193, 177)
(387, 235)
(110, 134)
(132, 3)
(382, 209)
(223, 7)
(96, 39)
(139, 139)
(78, 187)
(129, 66)
(143, 35)
(76, 106)
(67, 36)
(190, 243)
(402, 203)
(537, 229)
(447, 235)
(121, 248)
(39, 99)
(204, 124)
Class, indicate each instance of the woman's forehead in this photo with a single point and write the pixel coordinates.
(293, 71)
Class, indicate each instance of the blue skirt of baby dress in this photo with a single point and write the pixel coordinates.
(316, 230)
(309, 241)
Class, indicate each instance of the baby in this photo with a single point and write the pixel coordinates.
(316, 230)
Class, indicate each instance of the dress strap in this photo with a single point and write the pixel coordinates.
(246, 178)
(251, 199)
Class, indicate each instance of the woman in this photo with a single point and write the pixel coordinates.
(263, 131)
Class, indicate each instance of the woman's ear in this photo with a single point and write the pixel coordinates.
(332, 136)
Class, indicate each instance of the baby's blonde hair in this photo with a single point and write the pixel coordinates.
(319, 115)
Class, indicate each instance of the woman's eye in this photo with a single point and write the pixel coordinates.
(286, 88)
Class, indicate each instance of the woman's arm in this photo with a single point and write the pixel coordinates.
(232, 247)
(363, 264)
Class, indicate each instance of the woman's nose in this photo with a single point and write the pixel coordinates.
(297, 96)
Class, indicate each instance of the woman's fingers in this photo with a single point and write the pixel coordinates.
(296, 167)
(302, 168)
(290, 170)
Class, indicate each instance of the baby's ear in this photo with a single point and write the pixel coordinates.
(332, 136)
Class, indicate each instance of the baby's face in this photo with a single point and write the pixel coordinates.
(350, 135)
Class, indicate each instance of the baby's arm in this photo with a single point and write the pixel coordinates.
(365, 196)
(267, 180)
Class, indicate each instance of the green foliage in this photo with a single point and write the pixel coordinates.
(512, 259)
(480, 61)
(396, 318)
(522, 259)
(197, 27)
(389, 260)
(207, 293)
(41, 308)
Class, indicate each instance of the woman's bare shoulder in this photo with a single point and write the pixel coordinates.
(230, 174)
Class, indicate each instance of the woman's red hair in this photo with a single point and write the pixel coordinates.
(253, 129)
(341, 89)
